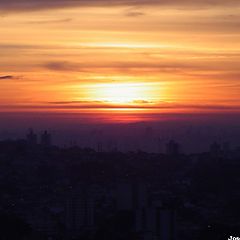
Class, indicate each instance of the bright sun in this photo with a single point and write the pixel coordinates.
(121, 92)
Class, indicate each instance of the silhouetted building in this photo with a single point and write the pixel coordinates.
(79, 212)
(99, 147)
(172, 148)
(31, 138)
(151, 220)
(46, 139)
(131, 196)
(156, 223)
(43, 220)
(215, 149)
(226, 148)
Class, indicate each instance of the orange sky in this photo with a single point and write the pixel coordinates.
(147, 57)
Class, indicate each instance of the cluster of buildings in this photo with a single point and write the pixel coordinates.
(76, 193)
(33, 140)
(147, 218)
(126, 209)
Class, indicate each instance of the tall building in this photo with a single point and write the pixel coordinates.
(215, 149)
(154, 222)
(46, 139)
(31, 138)
(172, 148)
(79, 214)
(99, 147)
(131, 196)
(226, 148)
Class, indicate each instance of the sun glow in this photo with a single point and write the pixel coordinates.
(122, 92)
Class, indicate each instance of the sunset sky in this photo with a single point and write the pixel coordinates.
(106, 57)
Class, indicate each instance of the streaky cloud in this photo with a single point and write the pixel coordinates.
(26, 5)
(54, 21)
(7, 77)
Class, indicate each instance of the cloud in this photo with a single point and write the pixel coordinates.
(26, 5)
(75, 66)
(6, 77)
(134, 13)
(62, 66)
(141, 104)
(74, 102)
(65, 20)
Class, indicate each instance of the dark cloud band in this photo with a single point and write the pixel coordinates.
(25, 5)
(7, 77)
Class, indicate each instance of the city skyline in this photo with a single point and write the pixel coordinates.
(119, 119)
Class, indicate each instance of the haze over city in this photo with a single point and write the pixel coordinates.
(119, 119)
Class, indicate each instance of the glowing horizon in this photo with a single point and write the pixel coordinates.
(155, 57)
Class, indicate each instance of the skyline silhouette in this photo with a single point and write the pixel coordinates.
(119, 119)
